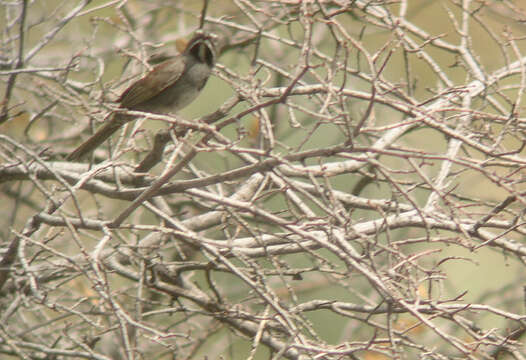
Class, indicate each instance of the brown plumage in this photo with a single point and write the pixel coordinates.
(169, 87)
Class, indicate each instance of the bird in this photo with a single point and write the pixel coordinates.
(168, 87)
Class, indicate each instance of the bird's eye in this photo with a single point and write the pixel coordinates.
(205, 54)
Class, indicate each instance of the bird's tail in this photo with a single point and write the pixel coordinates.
(102, 134)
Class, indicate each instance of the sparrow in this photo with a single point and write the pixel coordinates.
(168, 87)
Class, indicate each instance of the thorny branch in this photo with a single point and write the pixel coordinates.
(349, 184)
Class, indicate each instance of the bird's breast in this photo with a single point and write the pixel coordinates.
(181, 93)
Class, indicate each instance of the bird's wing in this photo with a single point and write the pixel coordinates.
(161, 77)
